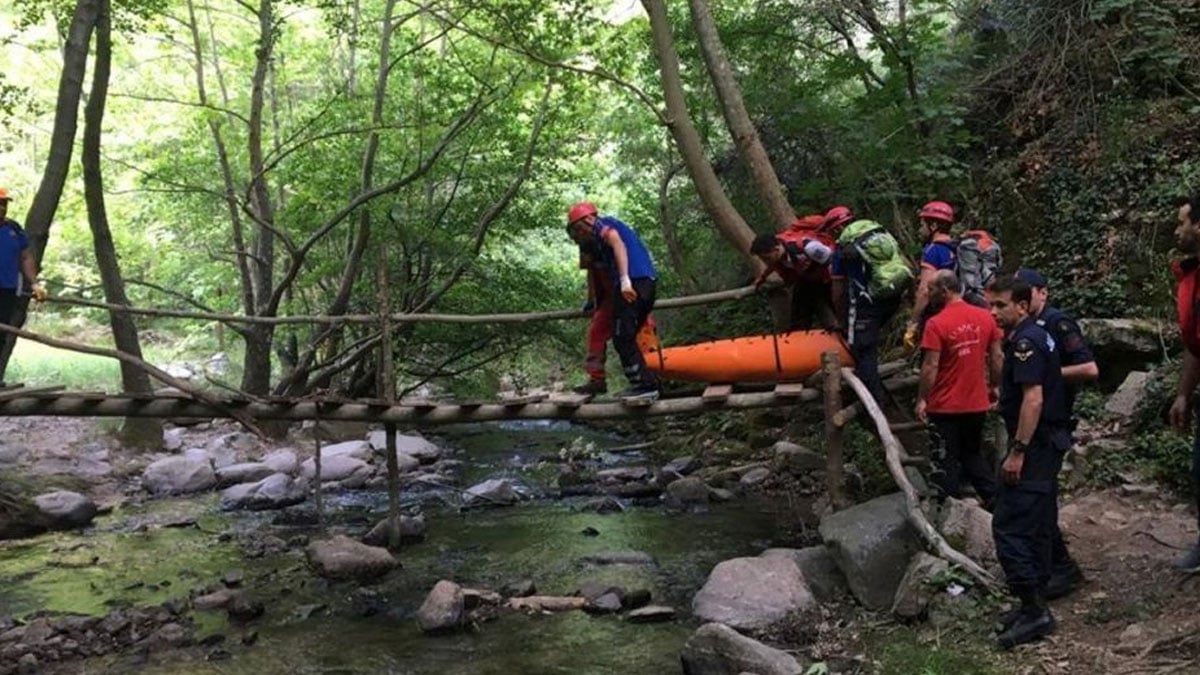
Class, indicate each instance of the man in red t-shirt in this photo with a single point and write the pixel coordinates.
(962, 353)
(1187, 300)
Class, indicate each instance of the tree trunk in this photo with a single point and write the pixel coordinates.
(741, 128)
(145, 433)
(667, 221)
(729, 222)
(62, 145)
(256, 374)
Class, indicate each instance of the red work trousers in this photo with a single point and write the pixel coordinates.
(600, 331)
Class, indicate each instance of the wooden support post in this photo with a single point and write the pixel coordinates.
(317, 464)
(387, 391)
(831, 366)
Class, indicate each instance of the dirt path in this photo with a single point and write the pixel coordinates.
(1134, 614)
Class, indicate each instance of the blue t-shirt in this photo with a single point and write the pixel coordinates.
(12, 242)
(939, 254)
(641, 266)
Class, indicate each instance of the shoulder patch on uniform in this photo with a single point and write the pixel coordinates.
(1067, 326)
(1023, 349)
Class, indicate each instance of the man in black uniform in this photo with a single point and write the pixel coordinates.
(1078, 367)
(1034, 407)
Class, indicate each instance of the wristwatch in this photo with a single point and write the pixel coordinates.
(1018, 446)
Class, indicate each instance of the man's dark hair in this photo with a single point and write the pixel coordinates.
(1021, 291)
(1192, 201)
(763, 243)
(948, 281)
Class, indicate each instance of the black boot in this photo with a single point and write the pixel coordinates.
(1034, 620)
(1063, 580)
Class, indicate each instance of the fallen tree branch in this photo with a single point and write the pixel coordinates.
(158, 374)
(916, 516)
(553, 315)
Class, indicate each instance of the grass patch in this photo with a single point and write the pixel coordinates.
(907, 655)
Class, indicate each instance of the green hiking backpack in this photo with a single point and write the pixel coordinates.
(888, 273)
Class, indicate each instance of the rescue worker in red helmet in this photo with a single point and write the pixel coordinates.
(939, 253)
(800, 256)
(632, 285)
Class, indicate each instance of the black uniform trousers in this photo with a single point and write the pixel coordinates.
(956, 445)
(868, 318)
(628, 319)
(1025, 516)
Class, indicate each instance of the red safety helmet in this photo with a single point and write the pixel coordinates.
(580, 211)
(939, 211)
(837, 218)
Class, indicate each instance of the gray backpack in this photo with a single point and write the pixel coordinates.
(979, 259)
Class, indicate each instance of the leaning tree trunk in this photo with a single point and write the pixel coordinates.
(62, 144)
(729, 222)
(745, 136)
(145, 433)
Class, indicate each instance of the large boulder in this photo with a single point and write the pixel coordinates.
(687, 493)
(335, 468)
(413, 446)
(65, 510)
(915, 592)
(273, 492)
(405, 463)
(357, 449)
(443, 609)
(226, 449)
(715, 649)
(752, 594)
(412, 529)
(968, 528)
(282, 461)
(493, 492)
(247, 472)
(1125, 345)
(344, 558)
(178, 475)
(820, 571)
(796, 459)
(1125, 400)
(872, 544)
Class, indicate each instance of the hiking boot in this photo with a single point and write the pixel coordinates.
(592, 388)
(1032, 624)
(642, 392)
(1008, 618)
(1190, 562)
(1063, 581)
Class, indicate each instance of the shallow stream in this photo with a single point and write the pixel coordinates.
(129, 557)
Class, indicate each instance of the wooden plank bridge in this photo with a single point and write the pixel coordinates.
(19, 401)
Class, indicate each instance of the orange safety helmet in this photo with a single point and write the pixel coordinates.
(3, 194)
(939, 211)
(837, 218)
(580, 211)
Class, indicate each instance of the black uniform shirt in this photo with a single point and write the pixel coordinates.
(1031, 357)
(1073, 347)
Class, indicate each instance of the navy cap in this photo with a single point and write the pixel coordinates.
(1032, 277)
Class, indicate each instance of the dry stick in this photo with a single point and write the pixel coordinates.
(554, 315)
(317, 464)
(834, 483)
(246, 420)
(916, 516)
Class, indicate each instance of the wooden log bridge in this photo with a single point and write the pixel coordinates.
(55, 401)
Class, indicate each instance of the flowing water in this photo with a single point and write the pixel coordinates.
(127, 559)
